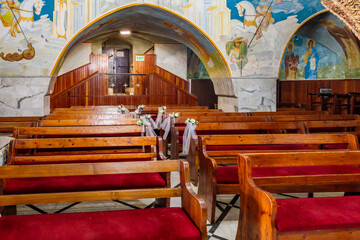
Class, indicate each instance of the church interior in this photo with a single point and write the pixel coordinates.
(179, 119)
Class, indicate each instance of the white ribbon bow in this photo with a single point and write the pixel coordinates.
(148, 124)
(188, 134)
(159, 117)
(166, 125)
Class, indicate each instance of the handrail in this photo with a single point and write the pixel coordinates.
(174, 85)
(74, 86)
(170, 74)
(130, 74)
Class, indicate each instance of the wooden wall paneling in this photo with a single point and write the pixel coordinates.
(297, 91)
(147, 66)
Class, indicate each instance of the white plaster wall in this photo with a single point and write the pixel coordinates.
(76, 58)
(23, 96)
(173, 58)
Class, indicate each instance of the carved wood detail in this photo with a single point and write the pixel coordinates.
(348, 11)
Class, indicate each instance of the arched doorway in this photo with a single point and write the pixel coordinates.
(149, 18)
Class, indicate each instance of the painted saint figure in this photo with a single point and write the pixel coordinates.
(311, 59)
(9, 17)
(291, 63)
(237, 51)
(263, 15)
(61, 18)
(347, 40)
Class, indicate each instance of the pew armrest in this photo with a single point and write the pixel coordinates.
(258, 207)
(193, 160)
(174, 143)
(194, 206)
(207, 184)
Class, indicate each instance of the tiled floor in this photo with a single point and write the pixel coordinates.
(227, 212)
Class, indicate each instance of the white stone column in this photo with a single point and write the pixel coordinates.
(246, 94)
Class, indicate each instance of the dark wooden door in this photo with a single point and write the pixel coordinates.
(203, 89)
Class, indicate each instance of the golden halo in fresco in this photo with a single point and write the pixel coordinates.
(290, 47)
(307, 42)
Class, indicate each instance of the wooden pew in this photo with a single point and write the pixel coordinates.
(187, 222)
(231, 128)
(222, 150)
(81, 131)
(293, 112)
(82, 150)
(256, 127)
(332, 126)
(7, 124)
(87, 122)
(264, 217)
(130, 107)
(180, 122)
(88, 116)
(293, 118)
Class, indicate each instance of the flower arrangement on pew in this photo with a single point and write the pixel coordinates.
(189, 132)
(166, 125)
(123, 109)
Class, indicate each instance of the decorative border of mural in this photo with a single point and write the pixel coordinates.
(347, 11)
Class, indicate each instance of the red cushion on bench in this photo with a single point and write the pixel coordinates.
(259, 147)
(336, 146)
(318, 213)
(84, 183)
(229, 174)
(153, 223)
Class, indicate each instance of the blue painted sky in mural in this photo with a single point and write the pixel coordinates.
(302, 8)
(326, 57)
(48, 9)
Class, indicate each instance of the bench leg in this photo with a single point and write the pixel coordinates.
(351, 194)
(162, 202)
(9, 210)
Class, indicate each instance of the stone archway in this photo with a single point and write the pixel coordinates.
(348, 11)
(158, 20)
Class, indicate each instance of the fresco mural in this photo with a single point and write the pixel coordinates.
(195, 68)
(266, 26)
(329, 51)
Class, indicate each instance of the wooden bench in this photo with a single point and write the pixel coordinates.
(332, 126)
(87, 122)
(293, 112)
(82, 131)
(185, 222)
(293, 118)
(230, 128)
(180, 122)
(7, 124)
(87, 116)
(249, 128)
(264, 217)
(222, 150)
(83, 150)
